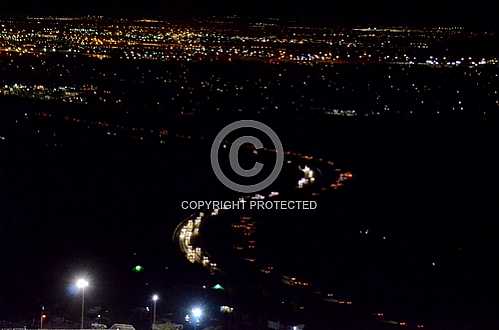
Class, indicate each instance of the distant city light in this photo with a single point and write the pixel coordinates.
(226, 309)
(155, 297)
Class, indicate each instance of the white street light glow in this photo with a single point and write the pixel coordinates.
(197, 312)
(81, 283)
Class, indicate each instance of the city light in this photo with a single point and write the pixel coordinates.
(155, 297)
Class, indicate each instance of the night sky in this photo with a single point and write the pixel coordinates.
(474, 13)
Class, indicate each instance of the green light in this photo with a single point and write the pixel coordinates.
(218, 287)
(138, 269)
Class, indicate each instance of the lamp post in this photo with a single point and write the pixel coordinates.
(81, 284)
(155, 298)
(42, 317)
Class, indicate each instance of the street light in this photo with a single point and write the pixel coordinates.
(81, 284)
(155, 298)
(42, 317)
(196, 313)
